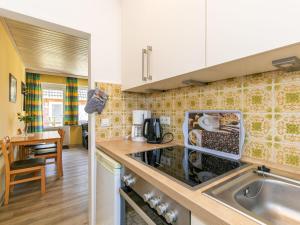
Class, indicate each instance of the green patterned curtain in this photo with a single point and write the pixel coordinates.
(71, 102)
(34, 102)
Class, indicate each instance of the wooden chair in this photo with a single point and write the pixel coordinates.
(25, 150)
(48, 151)
(19, 167)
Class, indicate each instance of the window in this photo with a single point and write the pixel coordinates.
(82, 98)
(53, 105)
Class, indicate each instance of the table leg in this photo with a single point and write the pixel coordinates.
(59, 159)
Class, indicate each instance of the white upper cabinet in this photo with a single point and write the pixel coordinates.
(237, 29)
(175, 29)
(134, 39)
(177, 36)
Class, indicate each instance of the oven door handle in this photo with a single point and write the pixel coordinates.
(136, 208)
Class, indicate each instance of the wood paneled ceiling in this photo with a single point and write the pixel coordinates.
(49, 51)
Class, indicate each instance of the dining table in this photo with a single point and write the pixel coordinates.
(45, 137)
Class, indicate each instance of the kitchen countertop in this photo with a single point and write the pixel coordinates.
(200, 205)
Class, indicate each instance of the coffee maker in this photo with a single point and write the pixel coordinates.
(138, 118)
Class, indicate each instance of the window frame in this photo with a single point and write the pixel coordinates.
(54, 86)
(82, 88)
(61, 87)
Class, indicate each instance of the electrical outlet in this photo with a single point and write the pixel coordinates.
(165, 120)
(105, 122)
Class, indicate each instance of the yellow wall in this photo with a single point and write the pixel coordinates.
(60, 79)
(75, 132)
(75, 135)
(10, 62)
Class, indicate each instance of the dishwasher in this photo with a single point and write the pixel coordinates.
(108, 201)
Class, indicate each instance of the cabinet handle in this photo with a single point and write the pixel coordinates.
(144, 51)
(149, 50)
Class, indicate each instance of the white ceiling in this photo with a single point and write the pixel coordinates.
(44, 50)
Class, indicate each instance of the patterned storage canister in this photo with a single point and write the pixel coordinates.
(219, 132)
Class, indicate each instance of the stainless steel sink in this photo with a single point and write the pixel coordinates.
(263, 197)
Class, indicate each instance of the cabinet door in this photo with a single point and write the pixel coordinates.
(176, 32)
(237, 29)
(134, 36)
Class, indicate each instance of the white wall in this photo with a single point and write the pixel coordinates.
(100, 18)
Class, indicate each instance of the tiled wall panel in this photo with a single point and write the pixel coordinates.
(269, 101)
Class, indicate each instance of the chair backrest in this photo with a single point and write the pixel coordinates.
(5, 147)
(62, 135)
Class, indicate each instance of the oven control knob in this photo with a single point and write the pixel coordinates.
(171, 216)
(162, 208)
(148, 196)
(154, 202)
(130, 181)
(126, 177)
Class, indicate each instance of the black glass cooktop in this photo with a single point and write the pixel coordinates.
(187, 165)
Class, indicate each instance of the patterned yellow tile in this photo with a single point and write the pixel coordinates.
(209, 100)
(129, 105)
(231, 100)
(128, 119)
(141, 103)
(126, 130)
(258, 100)
(180, 103)
(116, 91)
(231, 83)
(258, 79)
(179, 138)
(106, 87)
(209, 87)
(192, 102)
(103, 134)
(158, 104)
(287, 128)
(116, 132)
(116, 105)
(117, 119)
(287, 77)
(259, 126)
(287, 98)
(194, 91)
(259, 92)
(128, 95)
(178, 121)
(166, 129)
(287, 154)
(168, 104)
(185, 90)
(258, 150)
(108, 106)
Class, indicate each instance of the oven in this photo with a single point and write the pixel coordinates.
(143, 204)
(136, 211)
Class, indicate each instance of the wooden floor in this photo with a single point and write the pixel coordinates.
(66, 199)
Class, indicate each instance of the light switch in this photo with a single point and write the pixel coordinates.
(105, 122)
(165, 120)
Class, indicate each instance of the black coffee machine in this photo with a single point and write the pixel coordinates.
(152, 131)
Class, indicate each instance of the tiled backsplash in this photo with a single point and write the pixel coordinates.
(270, 103)
(118, 110)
